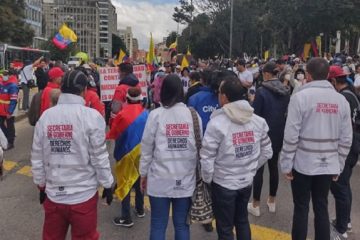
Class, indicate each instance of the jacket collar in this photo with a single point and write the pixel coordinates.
(318, 84)
(66, 98)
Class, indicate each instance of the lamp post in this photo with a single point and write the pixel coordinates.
(231, 26)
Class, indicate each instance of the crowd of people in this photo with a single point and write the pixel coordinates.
(219, 122)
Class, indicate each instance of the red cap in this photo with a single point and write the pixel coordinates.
(335, 72)
(55, 72)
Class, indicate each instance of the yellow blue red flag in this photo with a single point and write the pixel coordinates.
(127, 155)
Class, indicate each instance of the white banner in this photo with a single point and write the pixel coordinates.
(110, 79)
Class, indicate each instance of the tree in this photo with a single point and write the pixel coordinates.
(285, 25)
(117, 45)
(171, 38)
(183, 14)
(56, 53)
(13, 29)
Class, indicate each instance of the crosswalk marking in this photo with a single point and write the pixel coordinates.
(26, 171)
(9, 165)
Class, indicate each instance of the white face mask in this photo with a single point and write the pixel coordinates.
(300, 77)
(5, 78)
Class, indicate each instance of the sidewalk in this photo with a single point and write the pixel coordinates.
(19, 114)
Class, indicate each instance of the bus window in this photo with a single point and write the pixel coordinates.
(2, 60)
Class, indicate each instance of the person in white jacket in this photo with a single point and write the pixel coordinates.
(168, 161)
(317, 140)
(235, 145)
(69, 161)
(3, 146)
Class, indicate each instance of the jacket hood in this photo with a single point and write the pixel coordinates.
(130, 80)
(276, 87)
(317, 84)
(239, 112)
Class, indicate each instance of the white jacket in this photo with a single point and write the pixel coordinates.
(3, 145)
(69, 154)
(168, 152)
(235, 145)
(318, 132)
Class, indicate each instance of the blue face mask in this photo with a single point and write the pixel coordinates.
(5, 78)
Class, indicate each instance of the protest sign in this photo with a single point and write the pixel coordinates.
(109, 80)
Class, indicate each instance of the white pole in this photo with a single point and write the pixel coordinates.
(338, 41)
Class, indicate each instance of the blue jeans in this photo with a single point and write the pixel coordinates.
(160, 208)
(139, 202)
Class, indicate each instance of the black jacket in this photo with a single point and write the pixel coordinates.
(42, 78)
(271, 103)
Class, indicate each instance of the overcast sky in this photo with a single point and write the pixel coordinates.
(145, 16)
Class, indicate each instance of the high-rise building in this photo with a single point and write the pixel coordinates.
(107, 24)
(127, 36)
(135, 48)
(93, 21)
(33, 15)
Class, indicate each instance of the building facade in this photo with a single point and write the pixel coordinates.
(108, 26)
(93, 21)
(127, 36)
(135, 48)
(33, 15)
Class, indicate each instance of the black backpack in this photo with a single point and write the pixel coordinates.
(34, 110)
(356, 126)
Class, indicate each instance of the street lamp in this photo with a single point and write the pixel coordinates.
(231, 26)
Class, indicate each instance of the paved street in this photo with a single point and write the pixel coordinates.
(21, 215)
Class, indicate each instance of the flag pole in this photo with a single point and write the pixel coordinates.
(231, 27)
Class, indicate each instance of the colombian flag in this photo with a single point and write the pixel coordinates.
(64, 37)
(127, 154)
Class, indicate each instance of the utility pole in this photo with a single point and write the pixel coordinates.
(231, 27)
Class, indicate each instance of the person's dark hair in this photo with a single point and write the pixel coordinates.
(232, 88)
(357, 66)
(172, 91)
(126, 68)
(206, 76)
(280, 61)
(43, 60)
(185, 69)
(218, 77)
(270, 67)
(299, 71)
(240, 62)
(133, 92)
(341, 80)
(74, 82)
(195, 76)
(318, 68)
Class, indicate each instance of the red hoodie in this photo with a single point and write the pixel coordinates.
(45, 97)
(92, 100)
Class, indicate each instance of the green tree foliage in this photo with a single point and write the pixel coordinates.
(13, 28)
(171, 38)
(117, 45)
(263, 24)
(183, 13)
(56, 53)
